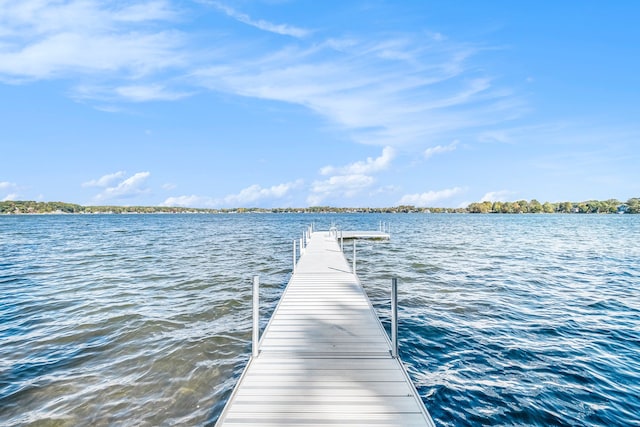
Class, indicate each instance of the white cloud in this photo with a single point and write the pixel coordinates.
(502, 136)
(255, 192)
(338, 186)
(386, 92)
(43, 17)
(130, 93)
(144, 93)
(130, 187)
(379, 89)
(246, 196)
(168, 186)
(65, 53)
(349, 180)
(497, 196)
(105, 180)
(91, 40)
(11, 187)
(158, 10)
(386, 189)
(439, 149)
(282, 29)
(188, 201)
(429, 197)
(363, 167)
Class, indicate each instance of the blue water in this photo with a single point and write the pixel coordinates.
(145, 319)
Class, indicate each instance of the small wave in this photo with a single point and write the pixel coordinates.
(503, 320)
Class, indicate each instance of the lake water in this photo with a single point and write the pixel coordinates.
(145, 319)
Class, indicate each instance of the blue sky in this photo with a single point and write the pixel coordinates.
(208, 103)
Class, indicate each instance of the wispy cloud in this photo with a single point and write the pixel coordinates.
(92, 41)
(153, 92)
(370, 165)
(44, 17)
(388, 92)
(339, 186)
(261, 24)
(104, 46)
(9, 190)
(6, 185)
(191, 201)
(124, 189)
(379, 89)
(439, 149)
(105, 180)
(497, 196)
(429, 197)
(255, 193)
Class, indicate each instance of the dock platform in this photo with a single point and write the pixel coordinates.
(364, 235)
(324, 358)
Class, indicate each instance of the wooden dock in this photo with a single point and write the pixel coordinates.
(325, 359)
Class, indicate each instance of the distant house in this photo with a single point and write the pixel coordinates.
(623, 208)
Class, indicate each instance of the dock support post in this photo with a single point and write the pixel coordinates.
(256, 316)
(354, 257)
(294, 255)
(394, 317)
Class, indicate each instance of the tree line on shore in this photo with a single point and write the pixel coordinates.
(631, 206)
(610, 206)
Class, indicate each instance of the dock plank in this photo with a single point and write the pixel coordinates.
(325, 359)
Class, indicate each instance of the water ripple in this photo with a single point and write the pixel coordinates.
(145, 319)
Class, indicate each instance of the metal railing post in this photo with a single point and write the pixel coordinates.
(394, 317)
(354, 257)
(294, 255)
(256, 316)
(341, 241)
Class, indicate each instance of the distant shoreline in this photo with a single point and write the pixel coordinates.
(611, 206)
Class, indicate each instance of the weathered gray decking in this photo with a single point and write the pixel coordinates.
(324, 357)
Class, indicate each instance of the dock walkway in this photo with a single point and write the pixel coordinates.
(325, 359)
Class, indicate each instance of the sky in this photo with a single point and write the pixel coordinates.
(276, 103)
